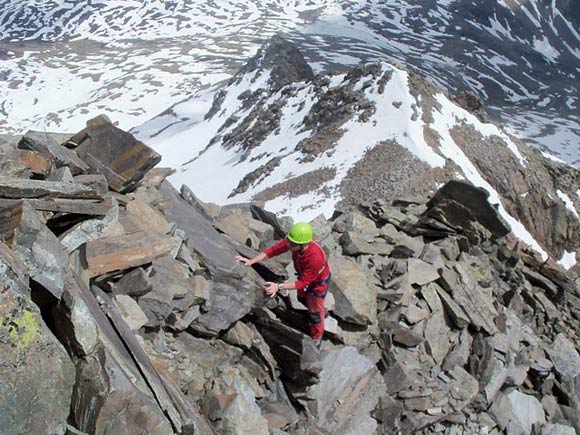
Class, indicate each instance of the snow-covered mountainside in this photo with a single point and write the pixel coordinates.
(134, 59)
(306, 144)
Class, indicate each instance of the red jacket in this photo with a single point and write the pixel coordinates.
(311, 265)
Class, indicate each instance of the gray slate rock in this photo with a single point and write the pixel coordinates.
(45, 144)
(39, 248)
(565, 357)
(355, 297)
(36, 372)
(347, 392)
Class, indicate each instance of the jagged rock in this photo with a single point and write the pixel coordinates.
(10, 215)
(463, 389)
(497, 379)
(26, 164)
(404, 336)
(354, 244)
(120, 407)
(231, 404)
(116, 154)
(283, 59)
(39, 248)
(420, 272)
(89, 230)
(347, 392)
(112, 253)
(76, 326)
(453, 310)
(152, 218)
(45, 145)
(355, 297)
(212, 248)
(436, 337)
(37, 374)
(517, 412)
(355, 223)
(460, 203)
(564, 356)
(469, 296)
(459, 355)
(135, 283)
(131, 312)
(226, 305)
(287, 346)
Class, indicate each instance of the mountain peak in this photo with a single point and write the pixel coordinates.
(285, 61)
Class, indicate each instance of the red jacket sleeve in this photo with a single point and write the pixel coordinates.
(277, 249)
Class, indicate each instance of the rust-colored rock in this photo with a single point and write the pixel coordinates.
(123, 252)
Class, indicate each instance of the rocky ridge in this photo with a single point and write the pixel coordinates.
(126, 291)
(420, 139)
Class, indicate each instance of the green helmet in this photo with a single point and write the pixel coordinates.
(300, 233)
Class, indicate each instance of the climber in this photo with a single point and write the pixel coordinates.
(312, 269)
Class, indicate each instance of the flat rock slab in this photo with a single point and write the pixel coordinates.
(213, 249)
(20, 188)
(348, 390)
(470, 297)
(47, 146)
(355, 297)
(227, 305)
(564, 356)
(123, 252)
(116, 154)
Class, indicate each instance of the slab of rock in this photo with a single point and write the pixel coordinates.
(73, 206)
(152, 218)
(107, 254)
(121, 408)
(23, 188)
(347, 392)
(421, 272)
(231, 404)
(76, 326)
(461, 202)
(90, 229)
(39, 248)
(469, 296)
(131, 312)
(226, 305)
(45, 145)
(557, 429)
(134, 283)
(565, 357)
(436, 337)
(453, 310)
(10, 216)
(356, 223)
(116, 154)
(36, 372)
(517, 411)
(212, 248)
(355, 297)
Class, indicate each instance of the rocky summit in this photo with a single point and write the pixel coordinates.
(124, 310)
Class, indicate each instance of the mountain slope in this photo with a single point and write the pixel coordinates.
(308, 145)
(521, 57)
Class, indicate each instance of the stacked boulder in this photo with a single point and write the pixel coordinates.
(124, 310)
